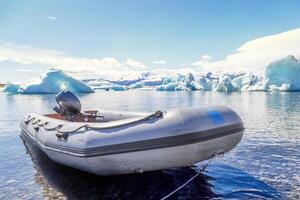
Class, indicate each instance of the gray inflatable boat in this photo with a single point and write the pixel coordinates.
(109, 142)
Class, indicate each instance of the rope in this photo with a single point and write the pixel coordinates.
(64, 134)
(52, 129)
(157, 114)
(191, 179)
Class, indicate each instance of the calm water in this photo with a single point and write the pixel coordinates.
(265, 165)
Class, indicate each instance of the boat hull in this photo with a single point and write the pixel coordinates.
(158, 153)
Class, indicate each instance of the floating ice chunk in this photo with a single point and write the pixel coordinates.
(115, 87)
(283, 74)
(205, 83)
(182, 87)
(257, 84)
(106, 85)
(243, 82)
(225, 85)
(168, 80)
(167, 87)
(189, 82)
(151, 82)
(124, 82)
(283, 87)
(153, 78)
(168, 84)
(51, 82)
(11, 88)
(186, 82)
(179, 83)
(136, 85)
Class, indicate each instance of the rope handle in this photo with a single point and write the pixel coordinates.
(65, 134)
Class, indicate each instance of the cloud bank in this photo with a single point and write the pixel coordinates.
(160, 62)
(252, 56)
(135, 64)
(255, 55)
(205, 59)
(28, 55)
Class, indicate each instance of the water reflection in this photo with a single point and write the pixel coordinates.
(62, 182)
(233, 183)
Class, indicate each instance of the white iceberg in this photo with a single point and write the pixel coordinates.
(244, 81)
(225, 85)
(153, 78)
(205, 83)
(51, 82)
(257, 84)
(106, 85)
(145, 80)
(283, 75)
(180, 83)
(283, 87)
(136, 85)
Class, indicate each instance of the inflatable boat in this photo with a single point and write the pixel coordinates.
(111, 142)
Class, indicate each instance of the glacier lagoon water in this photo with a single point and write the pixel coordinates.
(265, 165)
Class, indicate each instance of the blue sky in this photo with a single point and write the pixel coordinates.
(146, 31)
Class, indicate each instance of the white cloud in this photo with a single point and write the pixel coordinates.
(205, 59)
(53, 18)
(255, 55)
(28, 56)
(24, 70)
(135, 64)
(160, 62)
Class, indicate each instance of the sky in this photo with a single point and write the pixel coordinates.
(90, 38)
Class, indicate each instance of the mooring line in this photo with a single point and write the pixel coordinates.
(191, 179)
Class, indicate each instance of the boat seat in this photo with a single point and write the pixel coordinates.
(87, 116)
(55, 116)
(91, 111)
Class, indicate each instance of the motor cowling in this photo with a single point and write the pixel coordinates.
(68, 104)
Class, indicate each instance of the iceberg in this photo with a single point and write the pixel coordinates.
(51, 82)
(11, 88)
(205, 83)
(225, 85)
(110, 87)
(257, 84)
(136, 85)
(283, 75)
(172, 83)
(180, 83)
(244, 81)
(283, 87)
(153, 78)
(106, 85)
(145, 80)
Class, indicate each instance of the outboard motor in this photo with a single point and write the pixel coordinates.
(69, 104)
